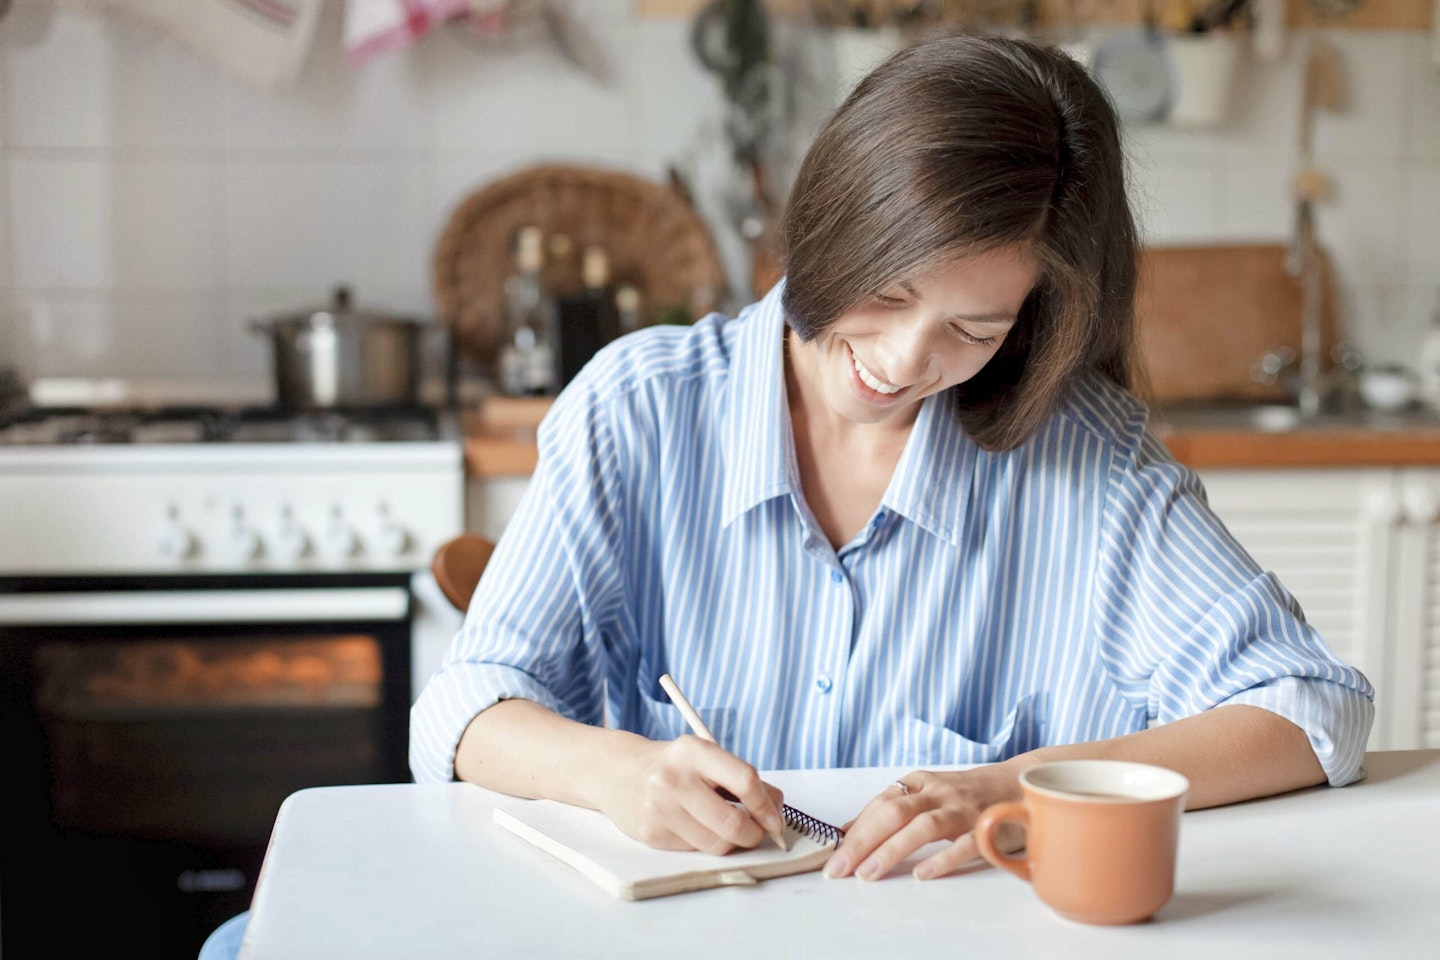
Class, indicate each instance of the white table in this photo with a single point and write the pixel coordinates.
(421, 871)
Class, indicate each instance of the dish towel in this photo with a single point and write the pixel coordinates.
(373, 27)
(262, 42)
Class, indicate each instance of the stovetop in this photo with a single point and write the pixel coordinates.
(85, 426)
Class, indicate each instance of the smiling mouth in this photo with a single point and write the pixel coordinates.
(872, 382)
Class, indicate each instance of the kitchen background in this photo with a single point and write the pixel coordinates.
(190, 631)
(150, 201)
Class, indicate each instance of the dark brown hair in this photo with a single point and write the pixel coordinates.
(960, 145)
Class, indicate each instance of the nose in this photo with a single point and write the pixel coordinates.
(907, 351)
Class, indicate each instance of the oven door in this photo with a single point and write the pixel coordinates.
(154, 725)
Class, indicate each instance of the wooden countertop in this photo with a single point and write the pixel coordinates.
(500, 442)
(500, 436)
(1225, 448)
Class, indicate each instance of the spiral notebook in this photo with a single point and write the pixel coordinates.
(626, 868)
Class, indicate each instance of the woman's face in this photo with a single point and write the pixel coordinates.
(898, 346)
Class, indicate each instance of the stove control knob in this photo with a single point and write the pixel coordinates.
(291, 543)
(175, 542)
(242, 544)
(392, 539)
(239, 543)
(338, 540)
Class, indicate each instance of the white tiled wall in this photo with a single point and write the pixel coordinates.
(149, 203)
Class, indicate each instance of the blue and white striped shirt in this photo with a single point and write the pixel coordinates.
(1075, 588)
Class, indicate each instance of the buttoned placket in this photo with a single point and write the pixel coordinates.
(832, 654)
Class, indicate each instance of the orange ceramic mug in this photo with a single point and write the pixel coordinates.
(1100, 837)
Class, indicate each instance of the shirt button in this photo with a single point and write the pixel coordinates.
(823, 683)
(837, 576)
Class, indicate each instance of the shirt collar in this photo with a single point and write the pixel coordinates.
(759, 449)
(932, 481)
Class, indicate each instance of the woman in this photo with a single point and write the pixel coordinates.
(902, 511)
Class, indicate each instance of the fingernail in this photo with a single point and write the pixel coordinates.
(924, 871)
(868, 870)
(773, 824)
(836, 866)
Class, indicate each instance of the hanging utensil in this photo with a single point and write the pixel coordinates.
(1134, 68)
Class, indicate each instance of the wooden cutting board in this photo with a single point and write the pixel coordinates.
(1207, 314)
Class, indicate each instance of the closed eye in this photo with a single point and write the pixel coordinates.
(969, 337)
(885, 301)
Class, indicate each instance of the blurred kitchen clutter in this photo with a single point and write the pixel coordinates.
(266, 44)
(731, 39)
(373, 27)
(537, 270)
(1429, 385)
(561, 308)
(262, 44)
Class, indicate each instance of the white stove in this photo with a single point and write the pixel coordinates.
(206, 603)
(208, 489)
(138, 504)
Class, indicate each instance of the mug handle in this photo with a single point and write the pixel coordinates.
(1013, 811)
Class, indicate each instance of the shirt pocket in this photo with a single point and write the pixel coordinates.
(926, 743)
(661, 720)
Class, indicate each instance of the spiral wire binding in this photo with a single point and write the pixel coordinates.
(812, 827)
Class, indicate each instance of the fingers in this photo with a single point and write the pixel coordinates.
(886, 832)
(761, 801)
(926, 827)
(895, 824)
(960, 853)
(682, 803)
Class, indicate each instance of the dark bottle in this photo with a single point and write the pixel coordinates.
(588, 319)
(562, 266)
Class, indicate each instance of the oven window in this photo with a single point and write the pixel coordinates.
(197, 740)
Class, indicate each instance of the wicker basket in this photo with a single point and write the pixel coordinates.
(654, 239)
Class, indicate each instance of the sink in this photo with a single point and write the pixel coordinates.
(1282, 418)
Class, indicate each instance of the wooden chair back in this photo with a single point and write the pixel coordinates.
(457, 567)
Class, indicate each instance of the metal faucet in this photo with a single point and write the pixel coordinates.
(1303, 262)
(1334, 391)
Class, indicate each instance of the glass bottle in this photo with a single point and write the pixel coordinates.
(598, 291)
(587, 317)
(562, 266)
(627, 309)
(527, 357)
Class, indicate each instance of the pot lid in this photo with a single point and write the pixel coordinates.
(341, 311)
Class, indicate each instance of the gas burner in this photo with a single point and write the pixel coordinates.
(189, 425)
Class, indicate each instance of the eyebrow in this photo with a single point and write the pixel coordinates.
(1008, 319)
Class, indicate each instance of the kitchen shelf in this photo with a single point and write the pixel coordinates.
(1374, 15)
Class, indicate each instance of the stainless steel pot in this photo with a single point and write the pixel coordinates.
(341, 357)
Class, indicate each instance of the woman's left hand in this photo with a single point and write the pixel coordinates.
(937, 806)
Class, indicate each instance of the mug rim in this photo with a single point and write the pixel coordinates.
(1178, 784)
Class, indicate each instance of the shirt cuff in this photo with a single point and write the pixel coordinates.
(1336, 718)
(454, 697)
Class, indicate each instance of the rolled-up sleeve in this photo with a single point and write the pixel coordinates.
(532, 628)
(1188, 621)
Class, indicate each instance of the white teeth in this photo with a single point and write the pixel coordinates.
(872, 381)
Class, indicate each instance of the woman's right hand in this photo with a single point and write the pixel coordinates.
(667, 798)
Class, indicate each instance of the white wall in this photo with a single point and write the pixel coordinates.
(149, 203)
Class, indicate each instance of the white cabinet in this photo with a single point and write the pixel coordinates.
(1360, 550)
(491, 501)
(1415, 690)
